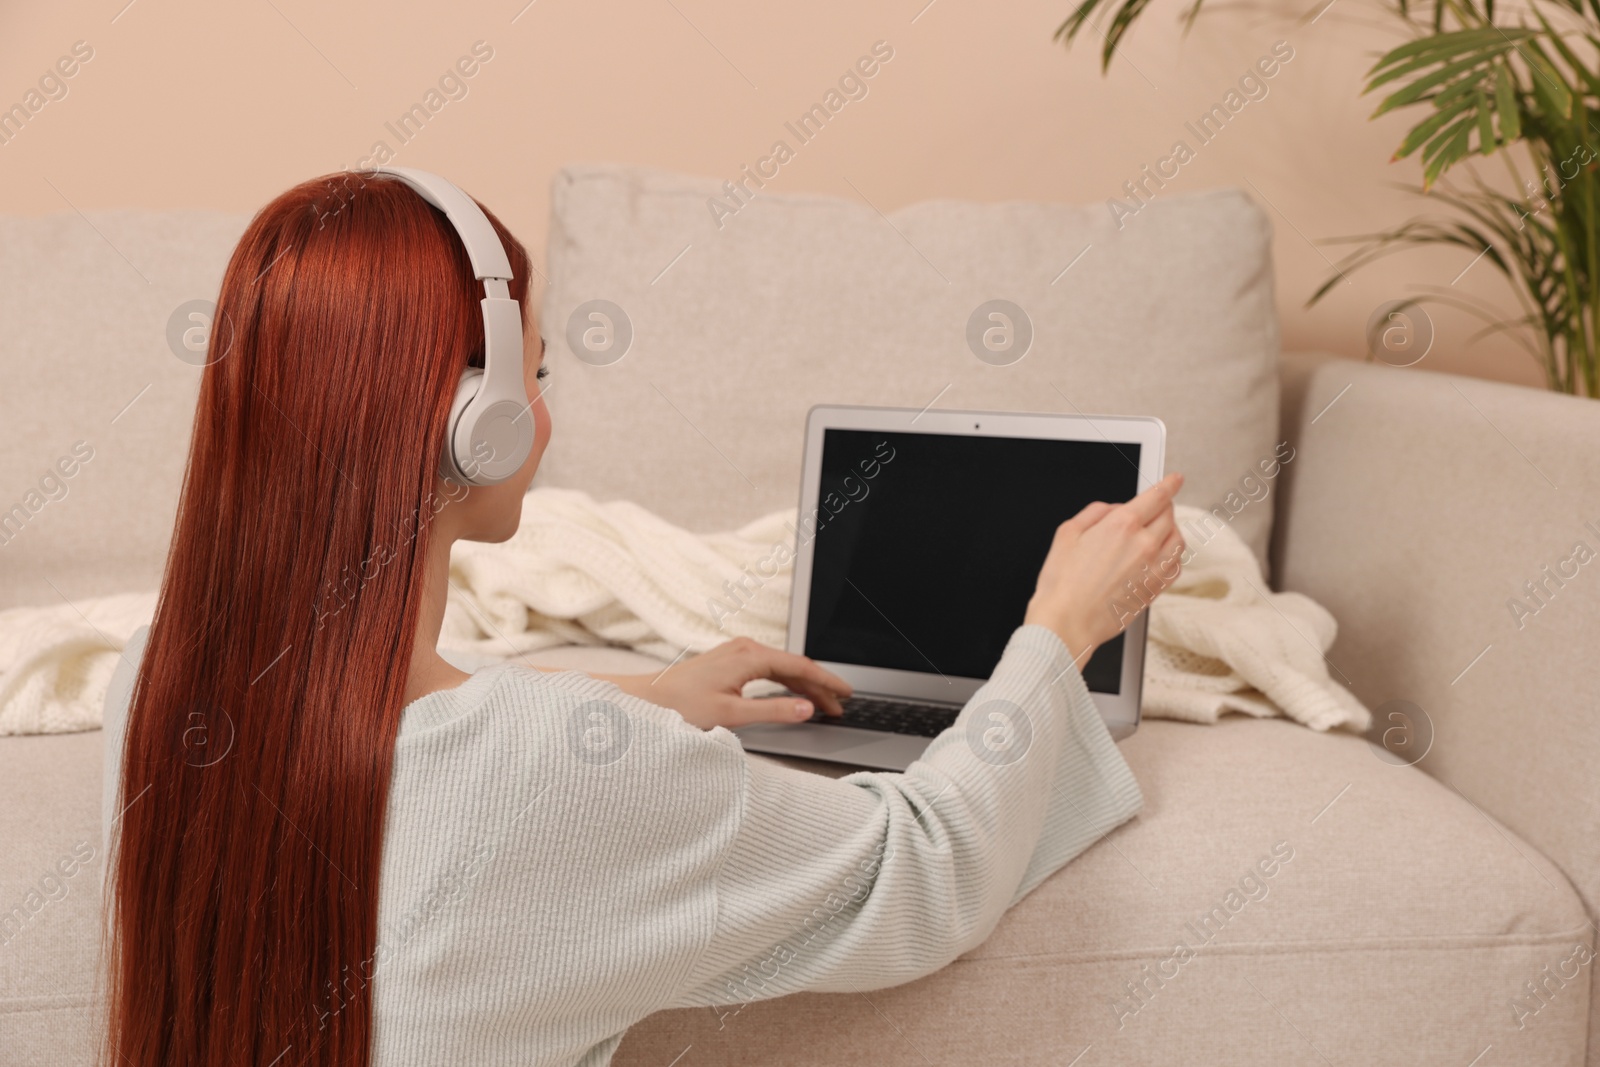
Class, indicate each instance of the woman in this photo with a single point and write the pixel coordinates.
(330, 846)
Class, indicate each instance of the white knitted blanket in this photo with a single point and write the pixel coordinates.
(583, 572)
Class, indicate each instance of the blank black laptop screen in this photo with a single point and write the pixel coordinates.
(928, 546)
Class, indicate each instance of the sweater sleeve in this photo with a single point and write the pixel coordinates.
(876, 879)
(115, 725)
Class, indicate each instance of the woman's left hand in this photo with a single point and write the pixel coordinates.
(705, 689)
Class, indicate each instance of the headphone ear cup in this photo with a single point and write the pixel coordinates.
(451, 465)
(495, 446)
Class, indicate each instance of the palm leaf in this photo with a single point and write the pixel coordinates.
(1443, 76)
(1531, 84)
(1505, 94)
(1430, 126)
(1485, 122)
(1426, 51)
(1547, 83)
(1120, 24)
(1447, 148)
(1570, 57)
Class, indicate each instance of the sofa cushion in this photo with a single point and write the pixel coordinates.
(795, 301)
(1400, 930)
(51, 864)
(1464, 582)
(87, 303)
(736, 330)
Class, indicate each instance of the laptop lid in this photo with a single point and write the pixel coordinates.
(921, 534)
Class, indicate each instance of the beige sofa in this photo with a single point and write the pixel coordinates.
(1440, 912)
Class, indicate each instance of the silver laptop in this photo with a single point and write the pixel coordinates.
(919, 543)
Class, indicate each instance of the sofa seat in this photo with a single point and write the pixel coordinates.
(49, 806)
(1401, 931)
(1398, 925)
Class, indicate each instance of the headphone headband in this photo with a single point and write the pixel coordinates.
(484, 249)
(490, 432)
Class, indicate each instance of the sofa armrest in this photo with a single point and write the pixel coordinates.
(1417, 509)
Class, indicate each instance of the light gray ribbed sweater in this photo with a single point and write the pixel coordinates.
(561, 859)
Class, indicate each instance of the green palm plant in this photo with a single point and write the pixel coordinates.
(1481, 86)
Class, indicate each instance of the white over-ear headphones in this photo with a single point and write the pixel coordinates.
(490, 431)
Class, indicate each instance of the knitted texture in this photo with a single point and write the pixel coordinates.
(579, 571)
(562, 859)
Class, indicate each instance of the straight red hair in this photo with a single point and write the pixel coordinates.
(243, 910)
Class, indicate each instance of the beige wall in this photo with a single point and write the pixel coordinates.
(192, 104)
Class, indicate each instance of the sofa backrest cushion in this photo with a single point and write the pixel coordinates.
(96, 405)
(738, 329)
(741, 320)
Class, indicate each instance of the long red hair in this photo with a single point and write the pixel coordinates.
(243, 909)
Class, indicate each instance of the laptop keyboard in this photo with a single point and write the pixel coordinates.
(892, 716)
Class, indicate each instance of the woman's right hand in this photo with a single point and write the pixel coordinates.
(1082, 593)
